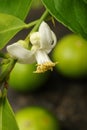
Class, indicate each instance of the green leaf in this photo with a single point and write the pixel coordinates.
(9, 26)
(71, 13)
(18, 8)
(85, 1)
(7, 118)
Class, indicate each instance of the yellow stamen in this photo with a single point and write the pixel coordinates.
(41, 68)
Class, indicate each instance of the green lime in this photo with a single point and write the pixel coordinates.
(71, 53)
(22, 77)
(36, 118)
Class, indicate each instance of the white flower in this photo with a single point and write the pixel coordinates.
(42, 42)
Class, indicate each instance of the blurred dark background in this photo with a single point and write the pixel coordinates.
(65, 97)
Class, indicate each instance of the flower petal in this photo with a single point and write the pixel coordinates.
(47, 37)
(42, 57)
(35, 38)
(43, 62)
(23, 55)
(54, 39)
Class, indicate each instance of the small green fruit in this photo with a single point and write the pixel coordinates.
(23, 79)
(36, 118)
(71, 53)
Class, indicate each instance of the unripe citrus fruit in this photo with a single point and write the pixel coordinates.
(22, 77)
(71, 53)
(36, 118)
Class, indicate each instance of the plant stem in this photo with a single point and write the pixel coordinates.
(45, 14)
(5, 74)
(2, 55)
(32, 23)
